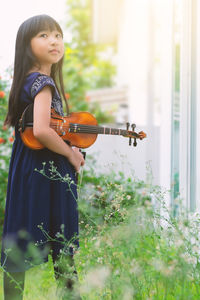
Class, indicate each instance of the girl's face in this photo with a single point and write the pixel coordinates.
(48, 47)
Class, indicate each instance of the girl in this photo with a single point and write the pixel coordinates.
(33, 200)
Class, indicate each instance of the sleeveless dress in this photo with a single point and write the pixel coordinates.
(38, 209)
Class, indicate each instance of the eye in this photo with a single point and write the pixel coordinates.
(59, 35)
(43, 34)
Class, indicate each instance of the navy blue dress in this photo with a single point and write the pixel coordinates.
(38, 209)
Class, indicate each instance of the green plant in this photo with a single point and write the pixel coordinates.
(6, 140)
(131, 245)
(84, 69)
(149, 254)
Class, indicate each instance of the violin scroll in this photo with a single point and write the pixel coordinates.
(132, 134)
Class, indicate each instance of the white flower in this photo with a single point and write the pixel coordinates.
(189, 259)
(95, 279)
(178, 243)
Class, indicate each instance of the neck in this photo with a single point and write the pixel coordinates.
(43, 69)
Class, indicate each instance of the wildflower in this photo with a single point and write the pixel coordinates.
(100, 260)
(68, 51)
(195, 249)
(147, 203)
(189, 259)
(2, 140)
(67, 95)
(2, 94)
(128, 197)
(4, 127)
(135, 267)
(179, 243)
(158, 264)
(163, 268)
(168, 270)
(128, 293)
(95, 278)
(99, 188)
(97, 244)
(11, 139)
(144, 193)
(117, 272)
(115, 206)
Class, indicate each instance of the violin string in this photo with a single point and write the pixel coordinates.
(85, 126)
(90, 129)
(95, 131)
(80, 126)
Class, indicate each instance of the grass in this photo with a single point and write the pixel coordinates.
(39, 282)
(131, 245)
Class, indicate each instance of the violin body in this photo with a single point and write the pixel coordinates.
(62, 127)
(78, 129)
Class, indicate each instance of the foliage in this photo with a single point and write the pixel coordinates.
(6, 140)
(132, 245)
(84, 68)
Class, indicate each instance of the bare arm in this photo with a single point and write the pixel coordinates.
(46, 135)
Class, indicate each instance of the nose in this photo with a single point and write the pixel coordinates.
(53, 39)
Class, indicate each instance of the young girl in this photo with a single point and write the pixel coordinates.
(32, 198)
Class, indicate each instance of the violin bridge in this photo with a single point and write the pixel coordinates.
(73, 128)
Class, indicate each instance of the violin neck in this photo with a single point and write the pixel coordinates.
(80, 128)
(112, 131)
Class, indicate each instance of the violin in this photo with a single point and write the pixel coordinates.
(78, 129)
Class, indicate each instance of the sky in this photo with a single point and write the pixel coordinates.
(15, 12)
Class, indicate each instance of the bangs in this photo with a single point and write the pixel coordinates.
(40, 23)
(47, 24)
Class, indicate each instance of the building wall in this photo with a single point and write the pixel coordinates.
(148, 43)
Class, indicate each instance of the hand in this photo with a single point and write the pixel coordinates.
(77, 159)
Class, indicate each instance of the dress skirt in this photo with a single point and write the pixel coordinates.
(41, 213)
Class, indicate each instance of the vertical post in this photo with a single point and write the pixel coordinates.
(198, 110)
(166, 95)
(193, 117)
(188, 105)
(175, 106)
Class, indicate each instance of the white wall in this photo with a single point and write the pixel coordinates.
(198, 111)
(145, 64)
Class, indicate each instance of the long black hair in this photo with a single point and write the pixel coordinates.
(25, 60)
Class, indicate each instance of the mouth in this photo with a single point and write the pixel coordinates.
(54, 51)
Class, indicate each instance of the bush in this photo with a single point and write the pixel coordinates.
(84, 69)
(6, 140)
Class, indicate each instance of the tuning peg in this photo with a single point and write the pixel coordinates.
(127, 125)
(135, 143)
(130, 141)
(133, 127)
